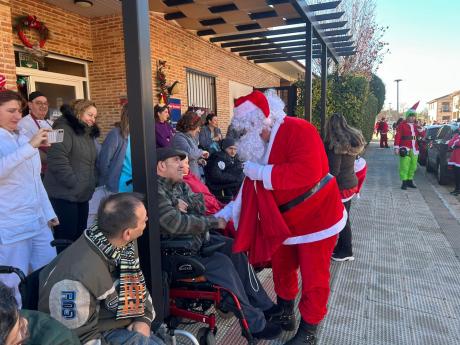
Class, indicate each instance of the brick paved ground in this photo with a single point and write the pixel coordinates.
(404, 286)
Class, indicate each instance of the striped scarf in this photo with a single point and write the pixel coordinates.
(132, 289)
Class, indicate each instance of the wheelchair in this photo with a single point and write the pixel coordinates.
(191, 296)
(29, 287)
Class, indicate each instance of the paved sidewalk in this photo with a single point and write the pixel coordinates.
(404, 286)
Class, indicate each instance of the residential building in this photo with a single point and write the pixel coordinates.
(445, 108)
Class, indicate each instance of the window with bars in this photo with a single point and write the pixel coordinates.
(201, 90)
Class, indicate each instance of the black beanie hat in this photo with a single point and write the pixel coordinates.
(227, 142)
(35, 94)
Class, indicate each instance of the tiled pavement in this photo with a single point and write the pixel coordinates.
(404, 286)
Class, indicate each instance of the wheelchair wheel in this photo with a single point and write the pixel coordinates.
(206, 337)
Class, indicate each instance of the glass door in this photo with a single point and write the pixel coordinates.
(58, 91)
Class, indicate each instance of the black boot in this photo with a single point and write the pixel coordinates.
(306, 335)
(404, 185)
(410, 184)
(282, 314)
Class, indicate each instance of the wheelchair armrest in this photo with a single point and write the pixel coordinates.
(61, 243)
(208, 250)
(12, 269)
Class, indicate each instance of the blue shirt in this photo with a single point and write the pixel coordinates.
(126, 171)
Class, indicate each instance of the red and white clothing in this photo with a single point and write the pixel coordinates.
(454, 145)
(381, 127)
(406, 136)
(295, 162)
(361, 172)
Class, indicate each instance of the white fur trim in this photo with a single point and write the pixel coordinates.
(349, 198)
(275, 128)
(244, 108)
(319, 235)
(360, 164)
(454, 164)
(236, 209)
(267, 177)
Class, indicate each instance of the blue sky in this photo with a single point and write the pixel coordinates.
(424, 43)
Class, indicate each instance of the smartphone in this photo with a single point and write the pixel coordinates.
(56, 136)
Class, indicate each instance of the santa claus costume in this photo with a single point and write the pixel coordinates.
(291, 170)
(406, 145)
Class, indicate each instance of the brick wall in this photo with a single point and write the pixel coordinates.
(7, 66)
(185, 50)
(182, 49)
(107, 76)
(70, 34)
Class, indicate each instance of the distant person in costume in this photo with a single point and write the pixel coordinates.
(406, 146)
(289, 208)
(381, 128)
(454, 160)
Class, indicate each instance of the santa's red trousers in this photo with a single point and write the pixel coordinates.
(314, 260)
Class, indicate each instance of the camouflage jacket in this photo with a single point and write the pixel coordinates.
(175, 223)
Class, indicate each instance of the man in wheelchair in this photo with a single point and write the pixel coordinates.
(96, 287)
(181, 213)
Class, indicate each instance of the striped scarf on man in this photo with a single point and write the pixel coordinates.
(132, 289)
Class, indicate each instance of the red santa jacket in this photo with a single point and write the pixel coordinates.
(406, 136)
(381, 127)
(296, 162)
(454, 145)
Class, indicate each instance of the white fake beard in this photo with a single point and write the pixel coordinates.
(251, 147)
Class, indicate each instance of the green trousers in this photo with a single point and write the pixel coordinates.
(408, 166)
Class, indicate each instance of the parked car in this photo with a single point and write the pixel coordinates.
(438, 153)
(430, 134)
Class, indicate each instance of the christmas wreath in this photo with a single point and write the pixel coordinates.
(31, 22)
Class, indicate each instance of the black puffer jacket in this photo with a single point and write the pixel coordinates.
(71, 173)
(224, 172)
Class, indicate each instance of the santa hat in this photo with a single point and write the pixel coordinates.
(413, 110)
(249, 103)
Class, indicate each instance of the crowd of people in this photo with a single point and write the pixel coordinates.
(272, 178)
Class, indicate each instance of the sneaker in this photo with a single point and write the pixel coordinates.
(340, 258)
(271, 331)
(455, 192)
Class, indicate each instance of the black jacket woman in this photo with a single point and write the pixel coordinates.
(71, 176)
(343, 143)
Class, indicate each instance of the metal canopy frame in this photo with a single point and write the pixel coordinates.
(314, 38)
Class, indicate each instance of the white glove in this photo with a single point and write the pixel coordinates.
(226, 212)
(253, 170)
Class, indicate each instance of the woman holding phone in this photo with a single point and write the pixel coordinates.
(26, 214)
(71, 176)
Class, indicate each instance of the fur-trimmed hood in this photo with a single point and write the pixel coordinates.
(345, 148)
(79, 127)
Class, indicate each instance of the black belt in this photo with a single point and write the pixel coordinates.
(408, 137)
(301, 198)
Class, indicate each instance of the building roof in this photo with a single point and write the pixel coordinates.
(452, 94)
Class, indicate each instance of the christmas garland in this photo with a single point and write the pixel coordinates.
(161, 77)
(31, 22)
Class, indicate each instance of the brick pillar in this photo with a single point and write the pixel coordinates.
(7, 65)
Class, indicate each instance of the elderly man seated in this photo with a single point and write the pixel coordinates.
(96, 287)
(182, 212)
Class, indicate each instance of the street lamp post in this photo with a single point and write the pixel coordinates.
(397, 95)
